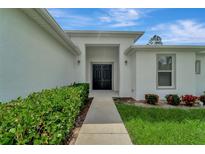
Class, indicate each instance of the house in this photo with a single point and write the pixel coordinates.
(35, 53)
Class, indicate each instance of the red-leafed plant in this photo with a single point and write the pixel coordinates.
(189, 100)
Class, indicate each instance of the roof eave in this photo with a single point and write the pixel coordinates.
(135, 48)
(93, 33)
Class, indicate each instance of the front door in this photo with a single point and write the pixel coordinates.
(102, 76)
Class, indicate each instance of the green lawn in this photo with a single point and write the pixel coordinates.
(163, 126)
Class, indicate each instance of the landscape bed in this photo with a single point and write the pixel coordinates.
(160, 126)
(45, 117)
(160, 104)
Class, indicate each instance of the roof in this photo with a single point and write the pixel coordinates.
(187, 48)
(93, 33)
(46, 21)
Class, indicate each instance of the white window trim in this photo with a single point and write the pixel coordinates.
(173, 71)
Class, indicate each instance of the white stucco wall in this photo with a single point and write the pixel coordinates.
(124, 70)
(200, 78)
(30, 58)
(103, 55)
(146, 74)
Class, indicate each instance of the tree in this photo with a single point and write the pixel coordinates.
(155, 40)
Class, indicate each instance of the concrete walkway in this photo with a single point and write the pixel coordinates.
(103, 125)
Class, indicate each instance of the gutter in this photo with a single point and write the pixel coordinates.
(95, 33)
(104, 32)
(57, 31)
(135, 48)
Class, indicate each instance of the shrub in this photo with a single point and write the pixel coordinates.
(202, 99)
(151, 98)
(44, 117)
(173, 99)
(189, 100)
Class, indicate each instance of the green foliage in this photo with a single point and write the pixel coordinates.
(173, 99)
(151, 98)
(44, 117)
(163, 126)
(202, 99)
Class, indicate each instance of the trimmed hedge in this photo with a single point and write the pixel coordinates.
(44, 117)
(202, 98)
(173, 99)
(151, 99)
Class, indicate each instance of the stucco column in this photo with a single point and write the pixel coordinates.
(124, 77)
(81, 69)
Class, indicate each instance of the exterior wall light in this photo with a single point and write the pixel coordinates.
(78, 61)
(125, 62)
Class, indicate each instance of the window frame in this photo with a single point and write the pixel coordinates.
(173, 71)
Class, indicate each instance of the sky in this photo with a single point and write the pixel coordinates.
(174, 26)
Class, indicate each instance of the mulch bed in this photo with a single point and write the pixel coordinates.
(162, 104)
(71, 139)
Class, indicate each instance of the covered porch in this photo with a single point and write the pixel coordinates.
(102, 67)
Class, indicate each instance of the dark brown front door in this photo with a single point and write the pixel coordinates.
(102, 77)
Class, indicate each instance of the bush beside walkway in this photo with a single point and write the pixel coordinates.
(44, 117)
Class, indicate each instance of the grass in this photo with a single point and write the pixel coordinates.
(163, 126)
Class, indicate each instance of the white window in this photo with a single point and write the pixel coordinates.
(166, 71)
(198, 67)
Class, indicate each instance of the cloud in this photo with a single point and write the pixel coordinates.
(105, 19)
(181, 32)
(125, 18)
(70, 20)
(124, 24)
(159, 27)
(57, 13)
(113, 18)
(124, 14)
(121, 17)
(65, 14)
